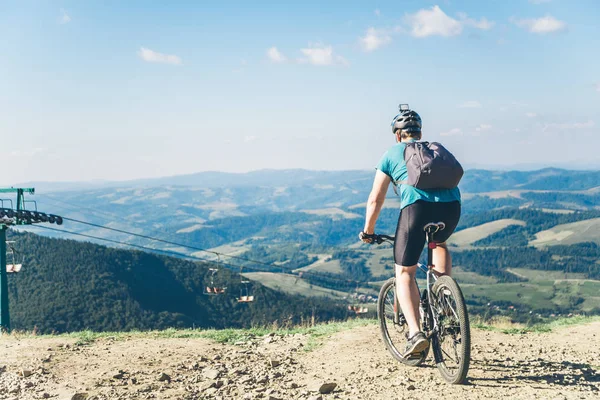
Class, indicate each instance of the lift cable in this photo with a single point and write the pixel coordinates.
(216, 253)
(196, 258)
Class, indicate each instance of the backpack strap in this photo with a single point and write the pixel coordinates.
(404, 182)
(396, 184)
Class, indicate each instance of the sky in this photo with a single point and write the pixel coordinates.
(118, 90)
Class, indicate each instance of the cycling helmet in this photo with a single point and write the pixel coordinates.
(407, 121)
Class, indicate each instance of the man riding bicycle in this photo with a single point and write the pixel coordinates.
(418, 207)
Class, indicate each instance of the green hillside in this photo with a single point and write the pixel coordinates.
(471, 235)
(576, 232)
(69, 286)
(306, 222)
(293, 284)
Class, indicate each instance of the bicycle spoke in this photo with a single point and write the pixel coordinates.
(453, 344)
(456, 353)
(451, 308)
(450, 357)
(449, 333)
(394, 327)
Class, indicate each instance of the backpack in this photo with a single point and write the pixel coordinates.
(431, 166)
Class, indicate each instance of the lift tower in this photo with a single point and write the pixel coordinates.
(15, 216)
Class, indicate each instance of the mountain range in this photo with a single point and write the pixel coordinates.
(527, 239)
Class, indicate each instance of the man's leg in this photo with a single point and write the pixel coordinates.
(408, 296)
(442, 260)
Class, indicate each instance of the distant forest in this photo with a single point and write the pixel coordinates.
(67, 285)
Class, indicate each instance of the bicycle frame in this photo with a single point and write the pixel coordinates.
(431, 279)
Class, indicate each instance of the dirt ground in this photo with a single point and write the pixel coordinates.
(563, 364)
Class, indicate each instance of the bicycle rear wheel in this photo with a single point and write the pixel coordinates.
(392, 332)
(452, 343)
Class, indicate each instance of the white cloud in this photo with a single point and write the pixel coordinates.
(275, 55)
(64, 18)
(249, 139)
(452, 132)
(541, 25)
(433, 22)
(470, 104)
(569, 125)
(483, 127)
(153, 56)
(530, 115)
(374, 39)
(583, 125)
(321, 55)
(483, 24)
(597, 87)
(377, 12)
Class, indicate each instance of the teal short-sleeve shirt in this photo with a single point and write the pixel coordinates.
(393, 165)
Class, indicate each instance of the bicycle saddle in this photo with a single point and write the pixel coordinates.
(433, 227)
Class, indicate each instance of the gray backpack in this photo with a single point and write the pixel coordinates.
(431, 166)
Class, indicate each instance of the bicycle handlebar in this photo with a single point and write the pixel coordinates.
(377, 238)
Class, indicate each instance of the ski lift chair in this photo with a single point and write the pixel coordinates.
(17, 260)
(212, 289)
(244, 296)
(358, 309)
(246, 299)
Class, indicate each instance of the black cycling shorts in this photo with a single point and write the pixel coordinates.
(410, 236)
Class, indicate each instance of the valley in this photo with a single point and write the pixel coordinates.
(526, 246)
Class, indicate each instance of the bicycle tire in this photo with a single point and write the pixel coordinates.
(390, 284)
(458, 377)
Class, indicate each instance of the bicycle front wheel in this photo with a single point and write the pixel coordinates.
(452, 342)
(394, 328)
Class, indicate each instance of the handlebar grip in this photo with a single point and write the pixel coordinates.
(376, 238)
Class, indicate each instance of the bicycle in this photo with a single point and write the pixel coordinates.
(444, 317)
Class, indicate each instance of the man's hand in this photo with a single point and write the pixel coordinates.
(363, 236)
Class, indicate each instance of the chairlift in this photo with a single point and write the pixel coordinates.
(358, 309)
(212, 289)
(17, 259)
(7, 200)
(245, 297)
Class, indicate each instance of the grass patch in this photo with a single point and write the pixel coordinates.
(504, 325)
(471, 235)
(229, 336)
(292, 284)
(316, 334)
(571, 233)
